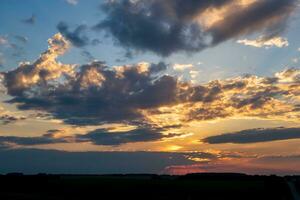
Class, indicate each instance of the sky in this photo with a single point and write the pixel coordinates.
(149, 86)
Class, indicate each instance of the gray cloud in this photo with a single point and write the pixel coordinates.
(77, 37)
(33, 161)
(21, 38)
(103, 137)
(7, 119)
(2, 60)
(88, 56)
(268, 16)
(166, 27)
(31, 20)
(95, 93)
(72, 2)
(29, 141)
(91, 95)
(255, 135)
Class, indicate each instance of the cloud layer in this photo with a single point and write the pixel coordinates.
(255, 135)
(94, 93)
(170, 26)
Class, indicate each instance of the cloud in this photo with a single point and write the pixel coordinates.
(95, 93)
(103, 136)
(7, 119)
(166, 27)
(255, 135)
(21, 38)
(13, 42)
(2, 60)
(76, 37)
(88, 56)
(3, 40)
(43, 69)
(30, 141)
(182, 67)
(106, 137)
(256, 166)
(31, 20)
(91, 93)
(33, 161)
(267, 43)
(72, 2)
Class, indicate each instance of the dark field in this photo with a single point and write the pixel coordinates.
(194, 186)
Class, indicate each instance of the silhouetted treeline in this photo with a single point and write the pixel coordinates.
(144, 187)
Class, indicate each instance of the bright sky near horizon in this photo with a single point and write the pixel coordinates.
(196, 85)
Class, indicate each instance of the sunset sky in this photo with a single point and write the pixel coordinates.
(150, 86)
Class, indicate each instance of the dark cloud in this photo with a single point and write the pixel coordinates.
(21, 38)
(169, 26)
(97, 137)
(95, 93)
(88, 56)
(2, 60)
(29, 141)
(7, 119)
(33, 161)
(77, 37)
(31, 20)
(267, 16)
(105, 137)
(14, 45)
(119, 60)
(95, 42)
(255, 135)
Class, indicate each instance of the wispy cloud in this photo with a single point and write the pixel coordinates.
(182, 67)
(141, 93)
(31, 20)
(2, 60)
(267, 43)
(255, 135)
(72, 2)
(3, 40)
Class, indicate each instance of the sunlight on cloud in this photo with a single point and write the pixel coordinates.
(139, 103)
(182, 67)
(266, 42)
(212, 16)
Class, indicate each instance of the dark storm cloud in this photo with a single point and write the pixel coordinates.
(103, 137)
(77, 37)
(169, 26)
(255, 135)
(31, 20)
